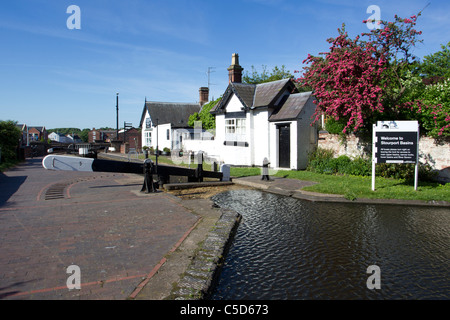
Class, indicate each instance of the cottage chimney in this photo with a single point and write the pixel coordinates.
(204, 95)
(235, 70)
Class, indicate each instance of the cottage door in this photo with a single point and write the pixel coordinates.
(284, 150)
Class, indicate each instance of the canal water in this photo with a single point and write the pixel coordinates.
(290, 249)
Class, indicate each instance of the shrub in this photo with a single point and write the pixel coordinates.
(361, 167)
(334, 126)
(404, 171)
(319, 160)
(9, 140)
(323, 161)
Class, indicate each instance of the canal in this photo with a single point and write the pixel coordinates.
(290, 249)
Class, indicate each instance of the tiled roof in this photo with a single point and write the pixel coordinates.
(177, 114)
(245, 92)
(255, 95)
(292, 107)
(267, 92)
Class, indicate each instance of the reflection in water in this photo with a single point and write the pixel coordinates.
(287, 248)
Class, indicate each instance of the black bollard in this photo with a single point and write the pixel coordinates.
(149, 185)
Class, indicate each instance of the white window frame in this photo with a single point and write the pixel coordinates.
(148, 138)
(235, 129)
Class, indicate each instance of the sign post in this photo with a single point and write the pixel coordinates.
(395, 142)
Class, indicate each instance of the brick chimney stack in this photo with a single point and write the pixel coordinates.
(235, 70)
(204, 95)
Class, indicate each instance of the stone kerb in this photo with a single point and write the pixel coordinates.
(201, 275)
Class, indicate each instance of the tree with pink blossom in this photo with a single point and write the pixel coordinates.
(359, 81)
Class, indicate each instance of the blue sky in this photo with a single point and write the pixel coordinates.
(161, 50)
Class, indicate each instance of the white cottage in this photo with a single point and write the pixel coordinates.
(269, 120)
(165, 124)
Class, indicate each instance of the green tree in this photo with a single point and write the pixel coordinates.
(9, 140)
(436, 64)
(65, 131)
(428, 104)
(277, 74)
(84, 134)
(208, 120)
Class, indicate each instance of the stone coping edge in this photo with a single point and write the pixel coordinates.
(322, 197)
(202, 274)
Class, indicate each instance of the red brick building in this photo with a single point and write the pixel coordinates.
(99, 136)
(37, 134)
(132, 137)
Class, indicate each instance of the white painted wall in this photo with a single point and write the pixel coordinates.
(260, 143)
(144, 129)
(160, 134)
(294, 145)
(273, 146)
(235, 155)
(234, 105)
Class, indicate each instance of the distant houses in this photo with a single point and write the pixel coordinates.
(23, 139)
(61, 138)
(30, 134)
(58, 137)
(74, 138)
(37, 133)
(101, 135)
(131, 136)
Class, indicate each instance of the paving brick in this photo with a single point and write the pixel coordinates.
(113, 233)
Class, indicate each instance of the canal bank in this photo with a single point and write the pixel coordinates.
(293, 249)
(189, 270)
(293, 188)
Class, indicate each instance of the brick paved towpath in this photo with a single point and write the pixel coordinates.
(117, 236)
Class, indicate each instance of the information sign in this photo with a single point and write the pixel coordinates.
(395, 142)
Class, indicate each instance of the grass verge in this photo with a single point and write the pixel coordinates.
(353, 187)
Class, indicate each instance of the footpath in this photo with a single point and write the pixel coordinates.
(126, 244)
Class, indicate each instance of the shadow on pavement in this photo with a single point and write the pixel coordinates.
(9, 186)
(12, 293)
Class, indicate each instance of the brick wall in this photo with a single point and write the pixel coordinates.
(437, 154)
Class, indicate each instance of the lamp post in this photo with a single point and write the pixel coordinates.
(157, 146)
(117, 116)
